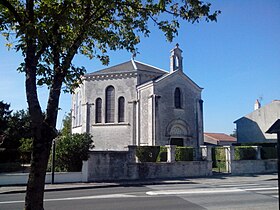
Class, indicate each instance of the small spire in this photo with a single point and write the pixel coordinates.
(176, 59)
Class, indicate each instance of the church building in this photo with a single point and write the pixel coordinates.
(134, 103)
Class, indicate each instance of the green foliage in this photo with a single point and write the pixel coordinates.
(162, 156)
(219, 158)
(268, 153)
(184, 153)
(67, 121)
(61, 29)
(25, 150)
(17, 126)
(71, 150)
(245, 153)
(5, 113)
(147, 153)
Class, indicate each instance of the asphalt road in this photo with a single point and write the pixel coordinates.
(210, 194)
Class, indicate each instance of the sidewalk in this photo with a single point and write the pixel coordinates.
(221, 178)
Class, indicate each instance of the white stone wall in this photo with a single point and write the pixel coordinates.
(145, 115)
(167, 112)
(111, 136)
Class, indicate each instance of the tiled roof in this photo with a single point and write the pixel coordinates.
(129, 66)
(220, 137)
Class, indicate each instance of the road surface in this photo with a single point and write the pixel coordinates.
(197, 195)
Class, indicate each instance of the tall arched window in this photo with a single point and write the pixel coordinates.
(177, 98)
(121, 109)
(98, 110)
(110, 104)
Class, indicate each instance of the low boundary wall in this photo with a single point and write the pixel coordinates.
(59, 177)
(122, 165)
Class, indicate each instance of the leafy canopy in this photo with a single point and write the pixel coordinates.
(62, 28)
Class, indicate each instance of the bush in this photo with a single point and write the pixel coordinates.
(10, 167)
(9, 155)
(219, 157)
(147, 153)
(71, 150)
(184, 154)
(269, 153)
(25, 149)
(245, 153)
(162, 156)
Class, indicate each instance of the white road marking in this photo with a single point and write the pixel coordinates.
(193, 191)
(78, 198)
(207, 191)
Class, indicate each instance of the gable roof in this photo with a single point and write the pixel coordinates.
(220, 137)
(183, 75)
(274, 102)
(128, 67)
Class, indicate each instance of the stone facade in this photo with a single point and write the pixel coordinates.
(137, 104)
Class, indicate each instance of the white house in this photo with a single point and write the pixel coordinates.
(138, 104)
(253, 126)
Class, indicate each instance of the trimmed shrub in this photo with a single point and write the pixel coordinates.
(184, 154)
(162, 156)
(268, 153)
(245, 153)
(147, 153)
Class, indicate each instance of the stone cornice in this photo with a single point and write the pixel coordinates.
(111, 76)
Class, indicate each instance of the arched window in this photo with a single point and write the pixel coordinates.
(110, 104)
(121, 109)
(177, 98)
(98, 110)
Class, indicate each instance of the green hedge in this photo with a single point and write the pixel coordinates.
(184, 154)
(147, 153)
(245, 153)
(268, 153)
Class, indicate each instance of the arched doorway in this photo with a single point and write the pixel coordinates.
(178, 132)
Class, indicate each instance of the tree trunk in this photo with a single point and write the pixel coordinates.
(36, 182)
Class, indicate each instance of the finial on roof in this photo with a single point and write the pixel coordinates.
(176, 59)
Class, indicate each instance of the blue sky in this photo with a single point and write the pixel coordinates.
(236, 61)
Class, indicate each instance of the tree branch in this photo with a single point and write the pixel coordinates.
(12, 9)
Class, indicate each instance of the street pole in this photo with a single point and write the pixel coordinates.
(53, 161)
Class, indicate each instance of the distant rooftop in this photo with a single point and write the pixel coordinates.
(220, 137)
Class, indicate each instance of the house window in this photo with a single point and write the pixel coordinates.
(98, 110)
(121, 109)
(110, 104)
(177, 98)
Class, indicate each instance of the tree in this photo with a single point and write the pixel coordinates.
(17, 127)
(4, 117)
(50, 33)
(67, 121)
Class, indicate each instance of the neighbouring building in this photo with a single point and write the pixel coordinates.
(138, 104)
(253, 126)
(220, 139)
